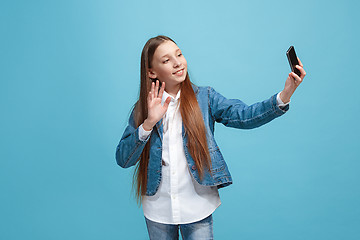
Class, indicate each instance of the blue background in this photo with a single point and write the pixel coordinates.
(70, 74)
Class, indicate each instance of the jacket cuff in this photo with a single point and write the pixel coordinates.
(143, 134)
(279, 108)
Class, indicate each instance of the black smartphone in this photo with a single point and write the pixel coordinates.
(293, 61)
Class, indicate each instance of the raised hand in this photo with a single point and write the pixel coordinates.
(155, 110)
(292, 82)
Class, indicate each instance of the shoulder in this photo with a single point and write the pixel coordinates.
(207, 93)
(202, 89)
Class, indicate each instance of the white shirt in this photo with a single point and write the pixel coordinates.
(180, 199)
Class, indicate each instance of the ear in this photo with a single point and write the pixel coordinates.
(151, 74)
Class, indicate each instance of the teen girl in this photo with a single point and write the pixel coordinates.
(170, 139)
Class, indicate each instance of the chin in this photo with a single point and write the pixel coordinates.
(180, 79)
(183, 79)
(185, 75)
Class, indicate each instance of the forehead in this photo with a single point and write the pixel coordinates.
(167, 47)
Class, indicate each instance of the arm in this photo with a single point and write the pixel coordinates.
(237, 114)
(132, 142)
(130, 146)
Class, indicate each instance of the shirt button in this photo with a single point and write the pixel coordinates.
(193, 167)
(173, 173)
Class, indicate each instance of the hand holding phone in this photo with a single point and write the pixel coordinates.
(295, 78)
(293, 61)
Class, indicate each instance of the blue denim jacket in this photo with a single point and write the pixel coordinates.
(215, 108)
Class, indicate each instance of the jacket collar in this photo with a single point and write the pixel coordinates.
(195, 88)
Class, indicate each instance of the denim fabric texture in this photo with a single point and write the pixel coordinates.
(215, 108)
(201, 230)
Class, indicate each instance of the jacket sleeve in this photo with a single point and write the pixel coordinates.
(235, 113)
(130, 146)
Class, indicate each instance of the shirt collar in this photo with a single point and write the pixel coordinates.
(166, 95)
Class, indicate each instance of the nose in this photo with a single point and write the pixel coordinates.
(177, 63)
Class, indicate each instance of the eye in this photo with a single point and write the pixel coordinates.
(180, 54)
(166, 61)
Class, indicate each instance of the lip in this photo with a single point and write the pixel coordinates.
(179, 70)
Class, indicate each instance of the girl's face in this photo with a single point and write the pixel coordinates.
(169, 65)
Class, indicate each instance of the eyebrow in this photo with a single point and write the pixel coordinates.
(167, 54)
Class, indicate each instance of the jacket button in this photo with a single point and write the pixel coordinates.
(193, 167)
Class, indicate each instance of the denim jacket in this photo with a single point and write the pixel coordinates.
(215, 108)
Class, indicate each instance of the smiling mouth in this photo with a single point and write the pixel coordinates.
(179, 71)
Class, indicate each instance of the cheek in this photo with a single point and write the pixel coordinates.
(170, 70)
(185, 62)
(165, 71)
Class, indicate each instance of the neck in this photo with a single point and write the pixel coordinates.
(173, 90)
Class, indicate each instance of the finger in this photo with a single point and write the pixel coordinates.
(166, 103)
(162, 90)
(296, 78)
(152, 90)
(300, 62)
(156, 88)
(302, 71)
(149, 97)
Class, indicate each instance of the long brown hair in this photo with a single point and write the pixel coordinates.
(190, 112)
